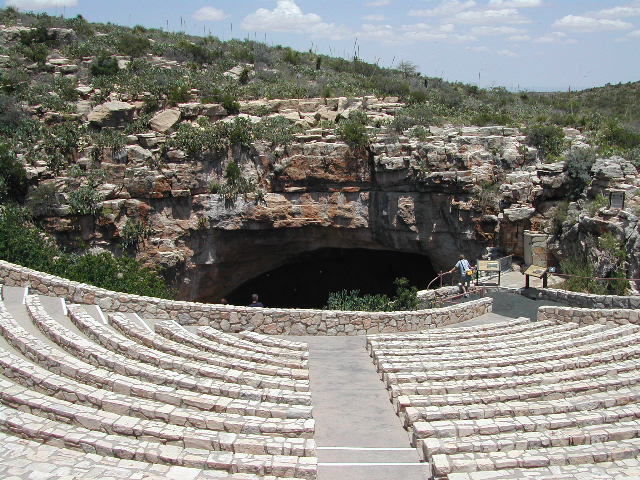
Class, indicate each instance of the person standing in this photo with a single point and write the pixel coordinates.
(466, 273)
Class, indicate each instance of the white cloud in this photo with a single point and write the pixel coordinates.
(519, 38)
(449, 7)
(507, 53)
(40, 4)
(374, 18)
(555, 37)
(587, 24)
(617, 12)
(378, 3)
(515, 3)
(484, 17)
(210, 14)
(494, 30)
(634, 34)
(478, 49)
(288, 17)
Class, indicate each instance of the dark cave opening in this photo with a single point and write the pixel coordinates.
(307, 279)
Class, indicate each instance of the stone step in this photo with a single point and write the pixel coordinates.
(443, 465)
(626, 469)
(153, 402)
(27, 459)
(578, 403)
(24, 399)
(508, 441)
(270, 341)
(224, 338)
(116, 342)
(486, 384)
(62, 435)
(531, 423)
(607, 339)
(163, 344)
(438, 374)
(176, 332)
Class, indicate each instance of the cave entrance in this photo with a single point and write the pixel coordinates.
(308, 278)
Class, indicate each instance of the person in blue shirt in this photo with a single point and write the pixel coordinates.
(255, 302)
(466, 273)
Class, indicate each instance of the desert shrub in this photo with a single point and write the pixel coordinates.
(560, 215)
(43, 200)
(597, 203)
(106, 138)
(616, 135)
(276, 130)
(548, 139)
(85, 200)
(353, 130)
(104, 64)
(487, 197)
(406, 298)
(235, 184)
(211, 137)
(579, 163)
(13, 177)
(133, 233)
(60, 143)
(132, 44)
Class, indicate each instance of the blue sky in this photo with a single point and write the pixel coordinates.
(525, 44)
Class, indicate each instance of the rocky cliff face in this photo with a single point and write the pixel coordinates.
(436, 192)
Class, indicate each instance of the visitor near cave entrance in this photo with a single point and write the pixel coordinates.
(466, 274)
(255, 301)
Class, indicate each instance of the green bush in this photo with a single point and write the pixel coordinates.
(579, 163)
(104, 64)
(43, 200)
(406, 298)
(85, 200)
(22, 243)
(548, 139)
(133, 233)
(13, 177)
(133, 45)
(353, 130)
(615, 134)
(235, 184)
(276, 130)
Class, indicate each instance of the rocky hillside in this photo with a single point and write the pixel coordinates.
(217, 187)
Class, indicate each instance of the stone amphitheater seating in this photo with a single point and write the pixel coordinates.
(518, 400)
(95, 400)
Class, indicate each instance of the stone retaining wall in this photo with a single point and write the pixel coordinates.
(586, 300)
(589, 316)
(233, 318)
(427, 297)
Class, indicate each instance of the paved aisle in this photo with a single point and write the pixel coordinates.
(358, 434)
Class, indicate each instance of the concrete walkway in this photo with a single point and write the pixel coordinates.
(357, 432)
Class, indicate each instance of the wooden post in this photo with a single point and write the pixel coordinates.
(544, 280)
(526, 282)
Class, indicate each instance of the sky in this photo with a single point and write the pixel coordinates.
(517, 44)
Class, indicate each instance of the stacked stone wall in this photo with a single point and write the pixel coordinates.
(589, 316)
(586, 300)
(232, 318)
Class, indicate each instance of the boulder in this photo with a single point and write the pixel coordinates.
(164, 121)
(111, 114)
(519, 213)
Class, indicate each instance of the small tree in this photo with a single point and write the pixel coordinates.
(548, 139)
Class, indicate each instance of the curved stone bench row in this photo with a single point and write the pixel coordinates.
(27, 459)
(498, 347)
(38, 404)
(546, 328)
(601, 340)
(246, 343)
(176, 332)
(489, 330)
(163, 344)
(487, 384)
(99, 356)
(116, 342)
(626, 469)
(269, 341)
(69, 436)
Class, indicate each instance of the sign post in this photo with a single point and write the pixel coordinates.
(538, 272)
(488, 266)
